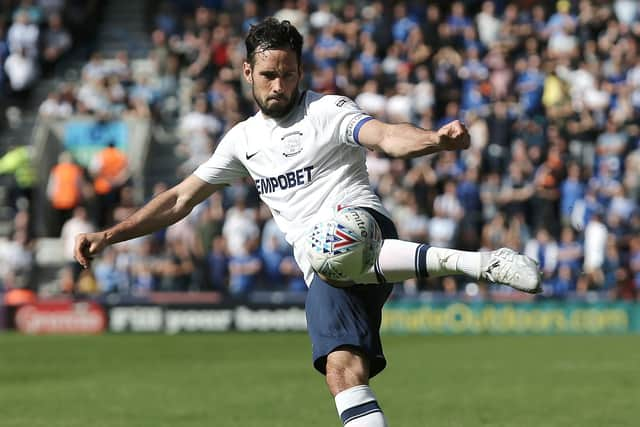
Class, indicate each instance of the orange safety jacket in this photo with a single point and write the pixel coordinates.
(112, 163)
(66, 190)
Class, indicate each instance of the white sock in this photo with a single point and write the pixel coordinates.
(444, 261)
(400, 260)
(357, 407)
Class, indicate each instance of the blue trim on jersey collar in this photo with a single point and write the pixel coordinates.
(356, 130)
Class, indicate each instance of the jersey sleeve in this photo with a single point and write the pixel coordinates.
(223, 167)
(345, 117)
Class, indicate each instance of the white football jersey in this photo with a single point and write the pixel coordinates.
(304, 165)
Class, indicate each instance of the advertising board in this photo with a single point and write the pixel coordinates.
(176, 319)
(523, 318)
(433, 318)
(60, 318)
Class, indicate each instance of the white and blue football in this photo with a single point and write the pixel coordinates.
(346, 246)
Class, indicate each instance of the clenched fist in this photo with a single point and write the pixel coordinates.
(454, 136)
(87, 246)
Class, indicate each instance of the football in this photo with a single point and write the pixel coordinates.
(344, 247)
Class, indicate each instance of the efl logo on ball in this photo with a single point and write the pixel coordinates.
(346, 246)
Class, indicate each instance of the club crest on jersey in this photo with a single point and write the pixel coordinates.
(335, 240)
(292, 143)
(341, 102)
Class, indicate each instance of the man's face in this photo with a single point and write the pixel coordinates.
(274, 80)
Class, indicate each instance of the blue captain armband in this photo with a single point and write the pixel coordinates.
(356, 131)
(353, 128)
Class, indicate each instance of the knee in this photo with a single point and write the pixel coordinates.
(346, 368)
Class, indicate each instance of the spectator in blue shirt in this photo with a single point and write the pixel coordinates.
(369, 60)
(468, 193)
(572, 189)
(472, 74)
(570, 251)
(217, 264)
(329, 49)
(292, 274)
(403, 23)
(561, 21)
(243, 273)
(108, 275)
(250, 15)
(273, 249)
(560, 285)
(457, 20)
(529, 85)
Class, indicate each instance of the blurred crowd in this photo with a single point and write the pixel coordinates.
(35, 35)
(107, 89)
(549, 90)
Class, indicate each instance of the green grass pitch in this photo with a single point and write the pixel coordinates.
(267, 380)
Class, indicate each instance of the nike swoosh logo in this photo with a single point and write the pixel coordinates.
(249, 156)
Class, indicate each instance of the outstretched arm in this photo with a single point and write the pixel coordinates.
(406, 141)
(163, 210)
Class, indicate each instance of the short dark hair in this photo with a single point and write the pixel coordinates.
(273, 34)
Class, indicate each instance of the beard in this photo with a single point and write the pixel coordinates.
(278, 110)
